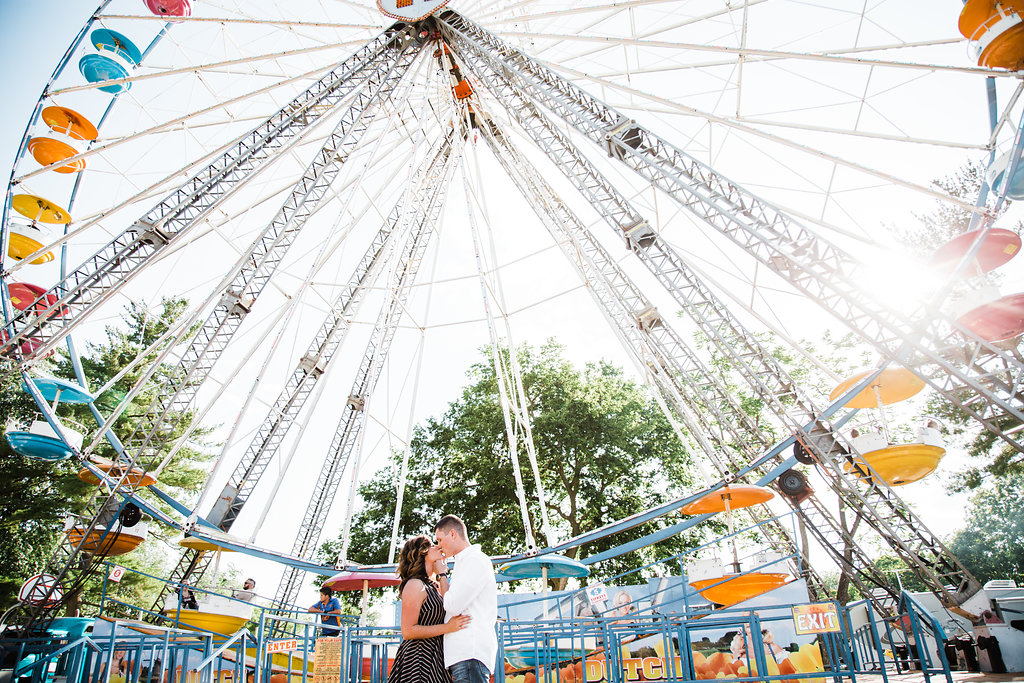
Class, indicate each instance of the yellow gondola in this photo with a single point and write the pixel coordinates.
(892, 385)
(25, 240)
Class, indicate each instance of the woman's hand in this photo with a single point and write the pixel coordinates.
(458, 623)
(441, 567)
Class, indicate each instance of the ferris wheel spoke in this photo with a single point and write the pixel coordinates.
(242, 287)
(746, 52)
(257, 21)
(83, 224)
(111, 268)
(213, 67)
(493, 21)
(989, 403)
(641, 327)
(738, 125)
(426, 202)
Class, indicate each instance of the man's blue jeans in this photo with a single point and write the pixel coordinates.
(470, 671)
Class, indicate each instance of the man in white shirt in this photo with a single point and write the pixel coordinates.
(470, 653)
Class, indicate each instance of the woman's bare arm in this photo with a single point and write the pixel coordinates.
(412, 599)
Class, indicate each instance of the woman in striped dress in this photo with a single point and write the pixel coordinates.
(420, 657)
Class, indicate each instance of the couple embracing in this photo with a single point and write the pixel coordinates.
(447, 622)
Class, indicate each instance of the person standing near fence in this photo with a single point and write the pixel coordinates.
(328, 608)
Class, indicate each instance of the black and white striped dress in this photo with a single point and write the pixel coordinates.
(422, 660)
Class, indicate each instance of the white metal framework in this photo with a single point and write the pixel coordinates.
(286, 187)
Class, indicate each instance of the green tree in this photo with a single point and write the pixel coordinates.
(35, 498)
(990, 545)
(39, 496)
(604, 451)
(103, 361)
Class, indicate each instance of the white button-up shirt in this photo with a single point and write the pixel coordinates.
(472, 590)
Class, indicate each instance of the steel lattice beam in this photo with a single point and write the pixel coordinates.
(869, 498)
(107, 271)
(420, 210)
(625, 306)
(979, 377)
(246, 281)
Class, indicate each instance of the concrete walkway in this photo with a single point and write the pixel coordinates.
(958, 677)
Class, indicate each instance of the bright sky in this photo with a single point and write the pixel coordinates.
(34, 56)
(32, 60)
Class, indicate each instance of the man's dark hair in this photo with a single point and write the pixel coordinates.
(452, 522)
(326, 591)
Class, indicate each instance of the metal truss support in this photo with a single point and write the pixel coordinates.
(112, 267)
(243, 286)
(981, 378)
(869, 498)
(310, 367)
(420, 209)
(671, 363)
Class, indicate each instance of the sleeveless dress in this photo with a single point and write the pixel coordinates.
(422, 660)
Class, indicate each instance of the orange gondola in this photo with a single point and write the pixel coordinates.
(136, 477)
(69, 129)
(997, 30)
(732, 589)
(119, 541)
(737, 496)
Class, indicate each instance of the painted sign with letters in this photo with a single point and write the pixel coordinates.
(820, 617)
(409, 10)
(597, 594)
(282, 645)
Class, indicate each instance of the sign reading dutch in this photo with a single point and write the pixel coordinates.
(819, 617)
(409, 10)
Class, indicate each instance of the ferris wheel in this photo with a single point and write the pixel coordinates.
(351, 203)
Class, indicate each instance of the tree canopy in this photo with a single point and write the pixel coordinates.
(989, 545)
(39, 496)
(604, 452)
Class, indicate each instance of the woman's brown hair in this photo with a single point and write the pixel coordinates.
(412, 560)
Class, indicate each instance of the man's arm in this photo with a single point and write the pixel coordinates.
(470, 581)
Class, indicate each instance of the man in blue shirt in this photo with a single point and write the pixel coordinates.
(328, 608)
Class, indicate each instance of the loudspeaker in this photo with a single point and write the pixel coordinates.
(130, 515)
(793, 484)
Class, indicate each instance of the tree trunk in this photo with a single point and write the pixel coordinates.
(73, 604)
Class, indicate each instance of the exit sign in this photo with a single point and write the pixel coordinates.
(821, 617)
